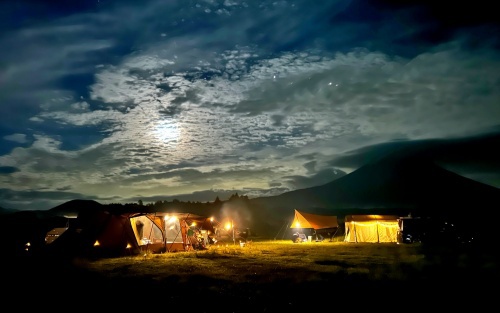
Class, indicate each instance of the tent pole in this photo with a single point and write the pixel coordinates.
(378, 236)
(355, 234)
(150, 232)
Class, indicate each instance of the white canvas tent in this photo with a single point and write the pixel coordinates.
(101, 233)
(170, 231)
(371, 228)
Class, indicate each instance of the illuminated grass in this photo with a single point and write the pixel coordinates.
(267, 276)
(269, 261)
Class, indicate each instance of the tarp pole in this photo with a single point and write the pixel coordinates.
(279, 231)
(284, 231)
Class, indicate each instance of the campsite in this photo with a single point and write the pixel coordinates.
(113, 231)
(95, 263)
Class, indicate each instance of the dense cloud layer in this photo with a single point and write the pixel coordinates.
(118, 101)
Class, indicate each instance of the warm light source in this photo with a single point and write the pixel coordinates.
(170, 219)
(129, 246)
(96, 243)
(297, 224)
(228, 225)
(193, 224)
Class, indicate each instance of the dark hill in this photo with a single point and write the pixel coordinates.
(392, 185)
(7, 211)
(73, 207)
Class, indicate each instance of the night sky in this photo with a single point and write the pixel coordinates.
(117, 101)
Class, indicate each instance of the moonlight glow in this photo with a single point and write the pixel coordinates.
(167, 132)
(121, 101)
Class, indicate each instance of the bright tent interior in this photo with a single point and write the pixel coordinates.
(171, 231)
(105, 233)
(371, 228)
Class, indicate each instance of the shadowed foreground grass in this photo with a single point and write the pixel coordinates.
(266, 276)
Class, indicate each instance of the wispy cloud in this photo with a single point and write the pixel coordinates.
(120, 101)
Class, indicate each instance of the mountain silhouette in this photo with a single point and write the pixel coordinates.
(73, 207)
(396, 184)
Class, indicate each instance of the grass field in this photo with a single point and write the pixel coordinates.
(270, 276)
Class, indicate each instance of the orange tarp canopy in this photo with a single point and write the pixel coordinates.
(315, 221)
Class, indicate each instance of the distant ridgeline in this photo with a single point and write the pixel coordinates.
(7, 211)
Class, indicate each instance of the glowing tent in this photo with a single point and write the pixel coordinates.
(160, 232)
(324, 225)
(371, 228)
(101, 233)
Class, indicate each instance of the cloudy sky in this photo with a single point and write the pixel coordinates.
(117, 101)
